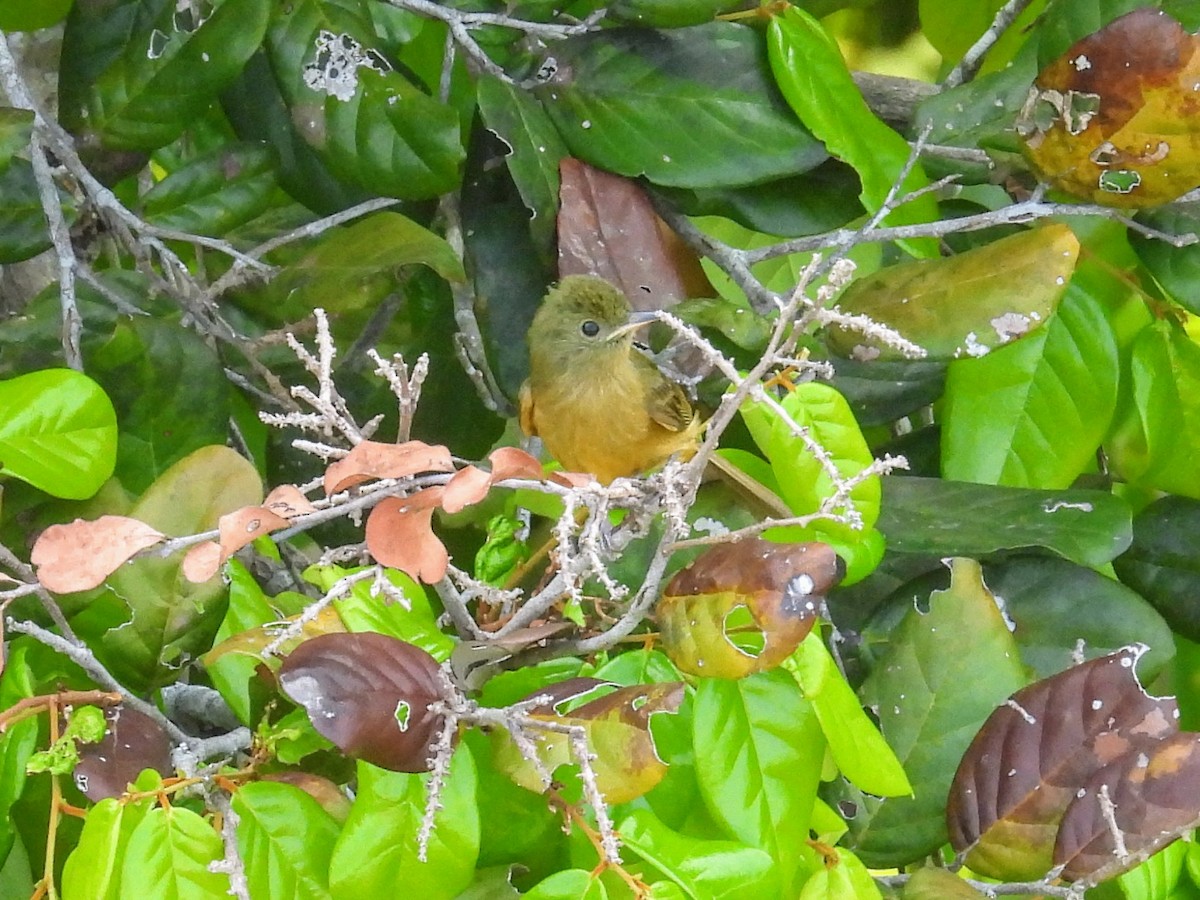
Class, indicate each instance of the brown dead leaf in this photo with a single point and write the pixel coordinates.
(79, 556)
(467, 487)
(1116, 119)
(288, 501)
(371, 459)
(237, 529)
(400, 535)
(513, 462)
(202, 562)
(607, 227)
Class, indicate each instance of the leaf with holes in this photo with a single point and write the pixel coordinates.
(964, 305)
(1041, 752)
(1034, 413)
(743, 607)
(617, 729)
(370, 695)
(1113, 119)
(944, 672)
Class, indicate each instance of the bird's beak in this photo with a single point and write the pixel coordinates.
(635, 321)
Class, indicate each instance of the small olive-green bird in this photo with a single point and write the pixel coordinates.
(598, 403)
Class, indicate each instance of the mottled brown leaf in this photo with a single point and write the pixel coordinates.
(607, 227)
(288, 501)
(372, 459)
(400, 535)
(80, 555)
(1035, 754)
(251, 641)
(202, 562)
(133, 742)
(1116, 119)
(237, 529)
(743, 607)
(617, 727)
(369, 694)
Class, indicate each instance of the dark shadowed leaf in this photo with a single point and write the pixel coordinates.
(369, 694)
(215, 193)
(633, 101)
(743, 607)
(1037, 754)
(951, 518)
(1163, 563)
(133, 742)
(607, 227)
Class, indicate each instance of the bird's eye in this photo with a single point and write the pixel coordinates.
(589, 328)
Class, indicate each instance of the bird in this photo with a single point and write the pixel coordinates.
(598, 403)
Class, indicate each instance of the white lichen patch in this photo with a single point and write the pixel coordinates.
(335, 69)
(864, 353)
(1081, 63)
(974, 347)
(1053, 506)
(1010, 325)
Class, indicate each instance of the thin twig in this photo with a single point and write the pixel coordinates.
(967, 66)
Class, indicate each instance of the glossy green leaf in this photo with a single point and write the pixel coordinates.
(17, 745)
(16, 130)
(944, 672)
(724, 869)
(140, 88)
(1163, 563)
(30, 15)
(285, 840)
(859, 750)
(377, 848)
(848, 879)
(758, 749)
(168, 855)
(170, 618)
(94, 867)
(956, 518)
(1176, 269)
(366, 121)
(634, 102)
(215, 193)
(168, 386)
(58, 431)
(23, 229)
(1156, 439)
(809, 68)
(233, 674)
(880, 392)
(1033, 414)
(964, 305)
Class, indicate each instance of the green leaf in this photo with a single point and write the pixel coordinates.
(848, 879)
(703, 868)
(810, 71)
(93, 869)
(943, 674)
(168, 856)
(16, 131)
(805, 483)
(536, 149)
(17, 745)
(285, 840)
(1156, 440)
(234, 674)
(964, 305)
(172, 619)
(953, 28)
(859, 750)
(215, 193)
(1176, 269)
(377, 848)
(168, 386)
(366, 121)
(1033, 414)
(759, 747)
(355, 266)
(23, 229)
(635, 102)
(955, 518)
(58, 431)
(1163, 563)
(141, 89)
(571, 884)
(30, 15)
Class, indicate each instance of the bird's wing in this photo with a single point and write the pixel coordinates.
(668, 403)
(525, 402)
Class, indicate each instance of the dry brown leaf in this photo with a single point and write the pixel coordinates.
(468, 486)
(202, 562)
(371, 459)
(288, 501)
(237, 529)
(400, 535)
(513, 462)
(80, 555)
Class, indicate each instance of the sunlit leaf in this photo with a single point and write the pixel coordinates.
(168, 857)
(285, 840)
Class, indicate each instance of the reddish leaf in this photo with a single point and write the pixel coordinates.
(369, 694)
(513, 462)
(79, 556)
(607, 227)
(1115, 118)
(400, 535)
(288, 501)
(743, 607)
(133, 742)
(1036, 755)
(375, 460)
(467, 487)
(202, 562)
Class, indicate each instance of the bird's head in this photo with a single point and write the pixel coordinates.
(583, 315)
